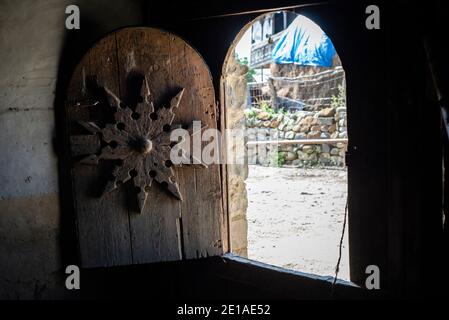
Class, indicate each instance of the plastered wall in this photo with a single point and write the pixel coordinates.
(32, 42)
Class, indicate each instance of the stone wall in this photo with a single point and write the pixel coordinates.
(235, 95)
(328, 123)
(307, 102)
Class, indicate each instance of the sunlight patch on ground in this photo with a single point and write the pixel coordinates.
(295, 218)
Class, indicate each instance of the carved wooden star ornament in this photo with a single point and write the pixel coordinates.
(140, 139)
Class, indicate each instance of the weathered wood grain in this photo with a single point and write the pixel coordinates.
(84, 144)
(202, 187)
(144, 52)
(111, 231)
(103, 226)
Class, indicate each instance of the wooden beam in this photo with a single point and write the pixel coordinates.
(299, 141)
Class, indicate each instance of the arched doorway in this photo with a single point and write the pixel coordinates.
(287, 202)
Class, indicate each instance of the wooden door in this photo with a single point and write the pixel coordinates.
(132, 205)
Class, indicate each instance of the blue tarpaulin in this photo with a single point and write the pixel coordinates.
(304, 43)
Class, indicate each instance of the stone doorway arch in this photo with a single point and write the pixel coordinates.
(234, 97)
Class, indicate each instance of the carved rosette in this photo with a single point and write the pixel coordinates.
(140, 140)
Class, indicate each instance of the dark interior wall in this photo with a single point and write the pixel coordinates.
(395, 214)
(38, 55)
(416, 247)
(396, 195)
(396, 192)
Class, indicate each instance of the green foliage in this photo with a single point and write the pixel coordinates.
(340, 99)
(284, 112)
(251, 72)
(266, 106)
(277, 159)
(251, 113)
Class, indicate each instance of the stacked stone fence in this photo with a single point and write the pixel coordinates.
(328, 123)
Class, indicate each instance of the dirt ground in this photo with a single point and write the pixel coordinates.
(295, 218)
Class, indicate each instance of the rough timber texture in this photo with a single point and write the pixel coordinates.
(111, 232)
(235, 97)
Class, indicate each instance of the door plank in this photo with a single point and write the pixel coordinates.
(102, 223)
(111, 230)
(144, 52)
(201, 188)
